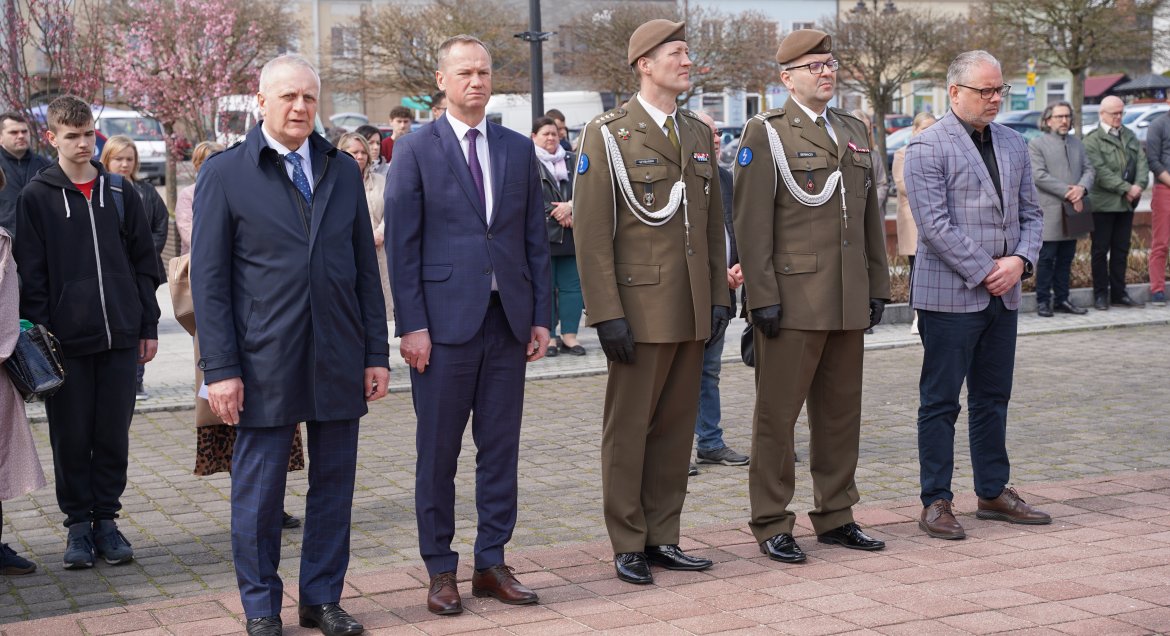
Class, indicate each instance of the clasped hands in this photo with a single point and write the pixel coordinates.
(767, 319)
(617, 339)
(226, 397)
(1004, 275)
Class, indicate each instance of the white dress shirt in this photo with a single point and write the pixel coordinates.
(481, 152)
(660, 117)
(813, 118)
(303, 151)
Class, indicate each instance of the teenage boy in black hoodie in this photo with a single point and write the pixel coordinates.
(89, 274)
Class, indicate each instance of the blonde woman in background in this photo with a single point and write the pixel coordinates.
(184, 211)
(357, 146)
(907, 231)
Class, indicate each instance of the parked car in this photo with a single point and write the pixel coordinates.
(1090, 117)
(1023, 116)
(1139, 117)
(348, 121)
(1028, 130)
(898, 121)
(147, 134)
(895, 141)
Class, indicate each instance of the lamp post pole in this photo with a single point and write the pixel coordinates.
(535, 38)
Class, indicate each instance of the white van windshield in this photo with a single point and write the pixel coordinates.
(136, 128)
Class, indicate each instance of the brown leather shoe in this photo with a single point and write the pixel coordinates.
(1010, 508)
(443, 597)
(938, 521)
(499, 583)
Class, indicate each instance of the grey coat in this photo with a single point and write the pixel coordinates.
(1057, 163)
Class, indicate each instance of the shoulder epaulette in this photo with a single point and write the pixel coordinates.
(844, 113)
(611, 115)
(768, 114)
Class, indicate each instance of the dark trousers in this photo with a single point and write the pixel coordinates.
(1053, 270)
(484, 379)
(979, 348)
(89, 430)
(1111, 235)
(259, 469)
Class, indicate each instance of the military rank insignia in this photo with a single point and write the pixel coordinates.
(701, 157)
(854, 148)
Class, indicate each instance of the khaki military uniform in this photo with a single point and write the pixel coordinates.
(663, 279)
(821, 264)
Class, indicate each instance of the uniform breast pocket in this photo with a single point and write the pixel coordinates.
(862, 178)
(651, 185)
(703, 173)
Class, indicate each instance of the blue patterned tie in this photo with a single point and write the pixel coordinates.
(299, 178)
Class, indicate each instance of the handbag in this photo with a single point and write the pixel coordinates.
(1076, 223)
(179, 282)
(35, 366)
(556, 231)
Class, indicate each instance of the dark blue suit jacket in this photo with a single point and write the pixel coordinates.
(292, 305)
(442, 259)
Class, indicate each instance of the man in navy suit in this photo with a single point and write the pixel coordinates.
(469, 268)
(288, 303)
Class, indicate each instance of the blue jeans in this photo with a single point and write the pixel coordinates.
(979, 348)
(567, 301)
(1053, 270)
(707, 421)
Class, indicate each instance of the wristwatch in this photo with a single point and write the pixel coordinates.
(1028, 269)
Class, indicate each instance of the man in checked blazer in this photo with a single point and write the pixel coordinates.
(970, 186)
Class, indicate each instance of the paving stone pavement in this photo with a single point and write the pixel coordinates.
(1088, 435)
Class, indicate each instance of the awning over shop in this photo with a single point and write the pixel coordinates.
(1098, 85)
(415, 103)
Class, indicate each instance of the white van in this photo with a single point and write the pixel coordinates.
(147, 134)
(515, 110)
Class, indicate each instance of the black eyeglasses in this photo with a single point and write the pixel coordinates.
(987, 93)
(1060, 116)
(816, 68)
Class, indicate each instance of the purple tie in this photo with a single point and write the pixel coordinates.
(473, 164)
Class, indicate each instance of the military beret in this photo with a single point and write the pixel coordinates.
(803, 42)
(653, 33)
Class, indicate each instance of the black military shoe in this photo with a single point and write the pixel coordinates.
(783, 548)
(851, 536)
(672, 558)
(632, 567)
(330, 619)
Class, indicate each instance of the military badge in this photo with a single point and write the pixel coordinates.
(701, 157)
(583, 164)
(854, 148)
(810, 185)
(648, 199)
(745, 156)
(642, 125)
(624, 134)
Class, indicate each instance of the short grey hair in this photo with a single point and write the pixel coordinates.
(1048, 110)
(462, 38)
(287, 59)
(966, 62)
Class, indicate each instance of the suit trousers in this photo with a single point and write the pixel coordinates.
(1111, 237)
(648, 423)
(259, 469)
(980, 348)
(1053, 270)
(484, 379)
(89, 430)
(823, 371)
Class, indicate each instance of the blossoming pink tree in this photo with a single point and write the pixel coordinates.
(175, 58)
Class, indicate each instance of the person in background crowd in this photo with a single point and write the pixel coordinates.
(1062, 175)
(120, 156)
(356, 145)
(373, 138)
(20, 469)
(1122, 172)
(970, 185)
(562, 130)
(557, 188)
(907, 231)
(710, 447)
(881, 181)
(401, 119)
(1158, 152)
(18, 162)
(438, 105)
(89, 277)
(184, 211)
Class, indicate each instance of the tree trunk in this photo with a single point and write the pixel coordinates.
(1078, 98)
(171, 177)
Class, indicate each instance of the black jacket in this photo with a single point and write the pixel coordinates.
(158, 217)
(91, 282)
(19, 172)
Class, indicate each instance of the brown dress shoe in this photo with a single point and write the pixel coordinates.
(499, 583)
(938, 521)
(443, 597)
(1010, 508)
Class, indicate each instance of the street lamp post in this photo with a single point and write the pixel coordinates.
(860, 8)
(535, 37)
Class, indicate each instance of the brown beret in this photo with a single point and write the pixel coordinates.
(803, 42)
(653, 33)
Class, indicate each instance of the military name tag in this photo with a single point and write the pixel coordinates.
(701, 157)
(653, 161)
(803, 155)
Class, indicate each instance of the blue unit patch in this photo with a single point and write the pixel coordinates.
(745, 156)
(583, 164)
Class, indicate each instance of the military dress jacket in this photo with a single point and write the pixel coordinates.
(821, 263)
(662, 279)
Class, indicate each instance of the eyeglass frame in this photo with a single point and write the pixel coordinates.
(1002, 90)
(825, 64)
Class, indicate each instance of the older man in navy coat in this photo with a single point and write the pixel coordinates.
(469, 261)
(288, 303)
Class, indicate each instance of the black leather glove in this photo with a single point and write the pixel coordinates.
(876, 307)
(720, 316)
(767, 320)
(617, 341)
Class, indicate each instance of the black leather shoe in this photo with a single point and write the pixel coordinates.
(851, 536)
(783, 548)
(265, 626)
(288, 522)
(1044, 310)
(632, 567)
(1101, 302)
(1126, 301)
(575, 350)
(330, 619)
(1067, 307)
(672, 558)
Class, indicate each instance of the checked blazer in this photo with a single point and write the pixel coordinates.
(963, 225)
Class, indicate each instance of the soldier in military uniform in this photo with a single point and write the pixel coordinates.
(814, 263)
(649, 238)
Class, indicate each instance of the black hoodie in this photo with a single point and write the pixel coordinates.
(92, 287)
